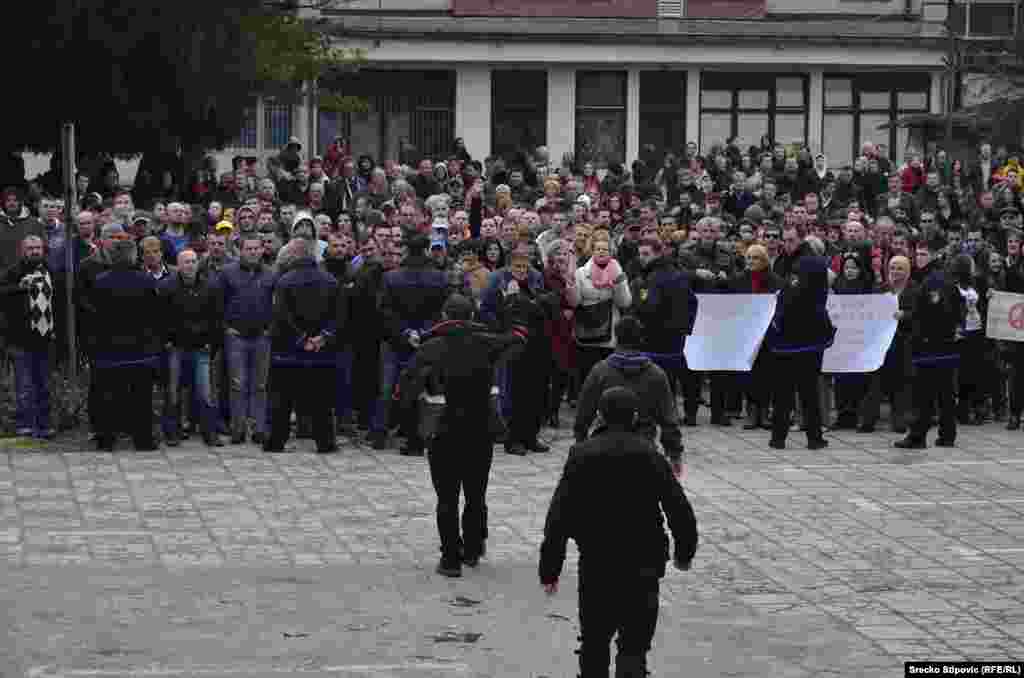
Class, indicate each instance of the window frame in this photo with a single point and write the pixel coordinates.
(578, 108)
(723, 81)
(893, 84)
(496, 110)
(660, 109)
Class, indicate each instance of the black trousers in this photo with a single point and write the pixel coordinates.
(616, 604)
(123, 399)
(460, 463)
(797, 373)
(721, 386)
(1015, 358)
(975, 373)
(931, 383)
(365, 378)
(309, 390)
(528, 377)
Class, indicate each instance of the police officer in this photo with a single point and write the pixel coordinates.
(664, 301)
(303, 358)
(622, 544)
(126, 346)
(797, 337)
(458, 358)
(411, 301)
(935, 321)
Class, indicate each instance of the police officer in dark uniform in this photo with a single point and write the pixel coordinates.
(797, 337)
(935, 321)
(458, 359)
(126, 345)
(303, 356)
(411, 302)
(620, 535)
(665, 302)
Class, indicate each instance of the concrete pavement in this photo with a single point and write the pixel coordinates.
(191, 562)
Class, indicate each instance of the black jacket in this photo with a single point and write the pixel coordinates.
(15, 299)
(657, 403)
(801, 323)
(412, 297)
(610, 500)
(364, 303)
(306, 305)
(938, 311)
(127, 318)
(458, 359)
(665, 302)
(195, 314)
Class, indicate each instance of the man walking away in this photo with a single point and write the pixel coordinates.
(458, 357)
(620, 535)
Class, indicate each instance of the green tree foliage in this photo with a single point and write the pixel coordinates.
(150, 74)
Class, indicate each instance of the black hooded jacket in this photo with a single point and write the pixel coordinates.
(801, 323)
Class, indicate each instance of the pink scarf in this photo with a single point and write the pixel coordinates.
(604, 278)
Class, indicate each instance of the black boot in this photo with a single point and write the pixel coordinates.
(1014, 423)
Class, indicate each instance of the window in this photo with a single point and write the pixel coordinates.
(331, 125)
(985, 18)
(752, 107)
(663, 110)
(601, 117)
(277, 121)
(519, 112)
(247, 135)
(865, 108)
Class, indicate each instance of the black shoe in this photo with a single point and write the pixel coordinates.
(238, 439)
(1014, 423)
(471, 561)
(213, 440)
(942, 442)
(553, 421)
(841, 424)
(147, 447)
(777, 444)
(691, 420)
(104, 445)
(819, 444)
(411, 449)
(898, 428)
(910, 444)
(721, 420)
(378, 440)
(259, 439)
(449, 568)
(330, 449)
(865, 429)
(537, 446)
(517, 449)
(173, 441)
(272, 450)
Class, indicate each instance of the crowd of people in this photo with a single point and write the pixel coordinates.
(557, 247)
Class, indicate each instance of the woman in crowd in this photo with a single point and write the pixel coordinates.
(560, 280)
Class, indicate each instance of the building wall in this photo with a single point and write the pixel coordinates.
(853, 7)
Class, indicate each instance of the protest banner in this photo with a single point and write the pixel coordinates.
(1005, 317)
(865, 327)
(729, 331)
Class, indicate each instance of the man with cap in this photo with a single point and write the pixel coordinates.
(307, 310)
(128, 337)
(16, 223)
(456, 360)
(629, 367)
(411, 301)
(620, 536)
(289, 155)
(937, 314)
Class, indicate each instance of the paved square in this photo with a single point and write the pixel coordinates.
(187, 562)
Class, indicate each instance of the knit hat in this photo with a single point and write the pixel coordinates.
(224, 227)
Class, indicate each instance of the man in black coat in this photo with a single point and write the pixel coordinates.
(303, 356)
(620, 535)
(194, 333)
(411, 301)
(935, 321)
(665, 302)
(128, 337)
(457, 360)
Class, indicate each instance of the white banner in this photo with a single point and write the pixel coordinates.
(865, 327)
(1005, 316)
(729, 331)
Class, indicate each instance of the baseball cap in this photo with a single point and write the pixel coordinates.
(1011, 210)
(438, 241)
(224, 226)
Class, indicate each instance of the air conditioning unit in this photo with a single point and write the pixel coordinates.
(670, 9)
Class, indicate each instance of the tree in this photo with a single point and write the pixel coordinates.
(152, 75)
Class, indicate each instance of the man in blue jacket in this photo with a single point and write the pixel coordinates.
(304, 346)
(411, 301)
(247, 287)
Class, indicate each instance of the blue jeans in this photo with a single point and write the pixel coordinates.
(343, 396)
(391, 365)
(188, 368)
(32, 390)
(248, 368)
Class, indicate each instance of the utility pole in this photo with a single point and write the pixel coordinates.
(70, 200)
